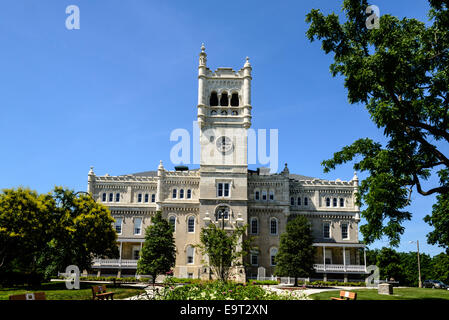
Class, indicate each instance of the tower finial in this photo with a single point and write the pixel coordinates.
(247, 64)
(203, 47)
(203, 55)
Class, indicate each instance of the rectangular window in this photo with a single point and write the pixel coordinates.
(271, 195)
(117, 197)
(136, 254)
(146, 197)
(334, 202)
(226, 189)
(139, 197)
(174, 193)
(191, 224)
(181, 194)
(104, 197)
(264, 195)
(118, 225)
(257, 195)
(254, 259)
(342, 202)
(326, 230)
(299, 201)
(137, 225)
(190, 275)
(306, 201)
(153, 198)
(254, 226)
(273, 226)
(189, 194)
(344, 231)
(220, 190)
(111, 197)
(292, 201)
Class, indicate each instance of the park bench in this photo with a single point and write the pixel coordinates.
(28, 296)
(100, 293)
(346, 295)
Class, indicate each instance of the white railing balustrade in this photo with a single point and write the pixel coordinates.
(339, 268)
(114, 263)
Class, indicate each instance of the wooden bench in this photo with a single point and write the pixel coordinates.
(346, 295)
(100, 293)
(28, 296)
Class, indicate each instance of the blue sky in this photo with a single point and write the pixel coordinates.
(109, 94)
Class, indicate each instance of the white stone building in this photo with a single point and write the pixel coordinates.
(224, 189)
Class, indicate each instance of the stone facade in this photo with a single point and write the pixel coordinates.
(224, 190)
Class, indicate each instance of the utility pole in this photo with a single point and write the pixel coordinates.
(419, 265)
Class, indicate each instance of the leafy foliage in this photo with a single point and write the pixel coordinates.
(158, 254)
(225, 249)
(296, 254)
(399, 72)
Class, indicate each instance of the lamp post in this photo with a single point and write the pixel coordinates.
(419, 265)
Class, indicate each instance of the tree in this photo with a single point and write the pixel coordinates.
(225, 249)
(82, 229)
(440, 267)
(296, 253)
(399, 72)
(440, 221)
(26, 225)
(158, 254)
(389, 263)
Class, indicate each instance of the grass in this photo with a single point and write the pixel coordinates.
(58, 291)
(398, 294)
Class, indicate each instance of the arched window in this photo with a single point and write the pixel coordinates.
(189, 194)
(264, 195)
(273, 253)
(172, 221)
(111, 197)
(306, 201)
(271, 195)
(254, 226)
(153, 198)
(234, 100)
(117, 197)
(146, 197)
(191, 224)
(342, 202)
(273, 226)
(257, 195)
(213, 99)
(235, 113)
(174, 193)
(224, 101)
(190, 254)
(222, 212)
(213, 113)
(139, 197)
(104, 197)
(292, 201)
(299, 201)
(334, 202)
(181, 194)
(224, 113)
(328, 202)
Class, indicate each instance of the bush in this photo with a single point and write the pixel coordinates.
(263, 282)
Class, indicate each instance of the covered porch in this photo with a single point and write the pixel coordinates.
(129, 250)
(340, 258)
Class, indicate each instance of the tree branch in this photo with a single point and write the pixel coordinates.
(429, 192)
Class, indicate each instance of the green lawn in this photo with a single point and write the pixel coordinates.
(398, 294)
(58, 291)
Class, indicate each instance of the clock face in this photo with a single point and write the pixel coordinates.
(224, 144)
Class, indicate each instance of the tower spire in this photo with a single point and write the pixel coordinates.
(203, 56)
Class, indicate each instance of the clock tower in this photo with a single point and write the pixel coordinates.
(224, 115)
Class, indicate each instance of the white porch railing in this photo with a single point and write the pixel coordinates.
(339, 268)
(114, 263)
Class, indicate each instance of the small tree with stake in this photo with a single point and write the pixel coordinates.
(158, 254)
(296, 254)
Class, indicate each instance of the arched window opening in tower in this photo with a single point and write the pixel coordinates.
(224, 113)
(222, 212)
(234, 100)
(235, 113)
(224, 101)
(213, 99)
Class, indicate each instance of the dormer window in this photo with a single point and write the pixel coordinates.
(234, 100)
(224, 101)
(213, 99)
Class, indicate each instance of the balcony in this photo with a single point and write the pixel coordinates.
(114, 263)
(339, 268)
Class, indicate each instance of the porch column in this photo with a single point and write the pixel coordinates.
(324, 259)
(120, 257)
(364, 257)
(344, 258)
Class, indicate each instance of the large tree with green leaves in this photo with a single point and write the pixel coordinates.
(158, 254)
(399, 71)
(296, 254)
(26, 225)
(82, 229)
(225, 249)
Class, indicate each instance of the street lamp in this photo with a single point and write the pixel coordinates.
(419, 265)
